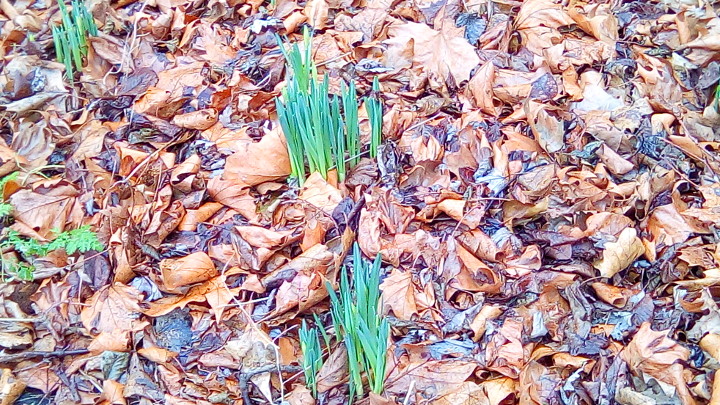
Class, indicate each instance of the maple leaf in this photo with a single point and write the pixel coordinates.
(113, 308)
(398, 294)
(655, 354)
(445, 53)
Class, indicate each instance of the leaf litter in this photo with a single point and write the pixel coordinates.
(544, 203)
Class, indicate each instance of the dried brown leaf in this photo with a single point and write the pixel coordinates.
(398, 295)
(619, 255)
(190, 269)
(113, 309)
(445, 53)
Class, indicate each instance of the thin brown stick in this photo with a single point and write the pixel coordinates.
(17, 357)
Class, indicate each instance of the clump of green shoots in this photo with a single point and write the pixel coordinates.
(375, 114)
(312, 355)
(321, 129)
(70, 37)
(359, 324)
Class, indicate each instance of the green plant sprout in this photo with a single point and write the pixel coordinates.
(321, 129)
(77, 240)
(352, 129)
(70, 37)
(5, 207)
(312, 356)
(359, 324)
(323, 332)
(375, 114)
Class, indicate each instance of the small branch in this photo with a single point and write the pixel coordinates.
(17, 357)
(29, 320)
(247, 375)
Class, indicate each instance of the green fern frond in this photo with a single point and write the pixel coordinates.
(77, 240)
(5, 209)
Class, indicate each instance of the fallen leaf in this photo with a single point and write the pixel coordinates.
(334, 370)
(619, 255)
(655, 354)
(321, 194)
(398, 295)
(430, 378)
(190, 269)
(259, 162)
(445, 53)
(113, 309)
(505, 353)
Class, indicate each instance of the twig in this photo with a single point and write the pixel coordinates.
(247, 375)
(29, 320)
(14, 358)
(409, 392)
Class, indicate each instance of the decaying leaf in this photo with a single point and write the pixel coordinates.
(445, 53)
(190, 269)
(543, 198)
(114, 308)
(619, 255)
(655, 354)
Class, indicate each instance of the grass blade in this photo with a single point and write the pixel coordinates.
(374, 109)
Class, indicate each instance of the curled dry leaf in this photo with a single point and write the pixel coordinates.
(264, 238)
(480, 88)
(193, 217)
(505, 353)
(214, 291)
(614, 296)
(656, 355)
(157, 354)
(187, 270)
(548, 129)
(711, 344)
(201, 119)
(715, 399)
(619, 255)
(112, 393)
(479, 323)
